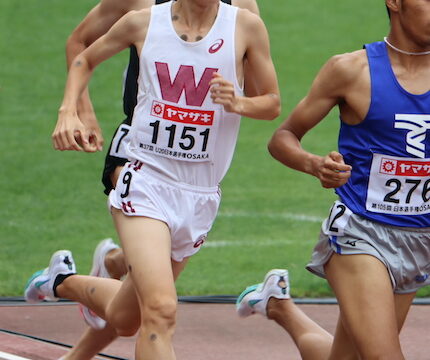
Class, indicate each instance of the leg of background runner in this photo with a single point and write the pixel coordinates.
(91, 343)
(112, 300)
(313, 342)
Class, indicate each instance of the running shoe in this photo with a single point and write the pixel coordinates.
(254, 298)
(98, 269)
(40, 286)
(91, 318)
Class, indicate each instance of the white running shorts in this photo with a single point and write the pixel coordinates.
(189, 211)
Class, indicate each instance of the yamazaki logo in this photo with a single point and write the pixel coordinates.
(216, 46)
(405, 167)
(182, 115)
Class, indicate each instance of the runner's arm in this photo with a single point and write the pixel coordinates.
(96, 23)
(127, 31)
(257, 53)
(327, 91)
(251, 88)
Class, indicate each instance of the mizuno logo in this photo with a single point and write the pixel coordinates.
(352, 243)
(417, 126)
(421, 278)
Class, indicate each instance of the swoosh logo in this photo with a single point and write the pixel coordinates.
(253, 302)
(216, 46)
(40, 283)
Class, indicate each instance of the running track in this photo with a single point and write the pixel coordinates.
(205, 331)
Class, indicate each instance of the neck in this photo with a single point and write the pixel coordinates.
(196, 13)
(405, 52)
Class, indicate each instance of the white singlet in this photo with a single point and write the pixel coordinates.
(177, 130)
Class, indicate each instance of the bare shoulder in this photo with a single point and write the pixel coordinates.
(250, 21)
(125, 6)
(250, 5)
(136, 4)
(136, 20)
(347, 67)
(119, 7)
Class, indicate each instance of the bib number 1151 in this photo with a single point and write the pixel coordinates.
(186, 140)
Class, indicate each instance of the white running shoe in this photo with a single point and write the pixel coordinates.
(98, 269)
(91, 318)
(40, 286)
(254, 298)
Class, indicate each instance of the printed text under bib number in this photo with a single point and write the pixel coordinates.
(399, 186)
(179, 133)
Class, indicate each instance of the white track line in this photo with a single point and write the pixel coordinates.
(260, 242)
(7, 356)
(282, 216)
(235, 243)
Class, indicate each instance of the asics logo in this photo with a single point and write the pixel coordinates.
(417, 126)
(216, 46)
(200, 241)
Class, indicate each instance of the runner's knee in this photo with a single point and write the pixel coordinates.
(159, 312)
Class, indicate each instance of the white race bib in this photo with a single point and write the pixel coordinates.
(338, 219)
(399, 186)
(120, 141)
(186, 134)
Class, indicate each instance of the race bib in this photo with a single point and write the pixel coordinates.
(178, 133)
(399, 186)
(338, 219)
(120, 141)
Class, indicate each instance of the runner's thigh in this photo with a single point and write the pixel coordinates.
(364, 290)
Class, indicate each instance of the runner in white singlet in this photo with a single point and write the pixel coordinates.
(185, 125)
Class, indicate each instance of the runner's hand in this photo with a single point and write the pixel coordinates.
(71, 134)
(332, 171)
(222, 92)
(89, 120)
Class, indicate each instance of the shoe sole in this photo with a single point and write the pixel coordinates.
(29, 282)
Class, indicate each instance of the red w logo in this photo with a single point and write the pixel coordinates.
(184, 81)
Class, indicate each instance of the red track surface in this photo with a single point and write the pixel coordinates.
(204, 331)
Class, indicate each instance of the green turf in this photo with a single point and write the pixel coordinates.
(53, 200)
